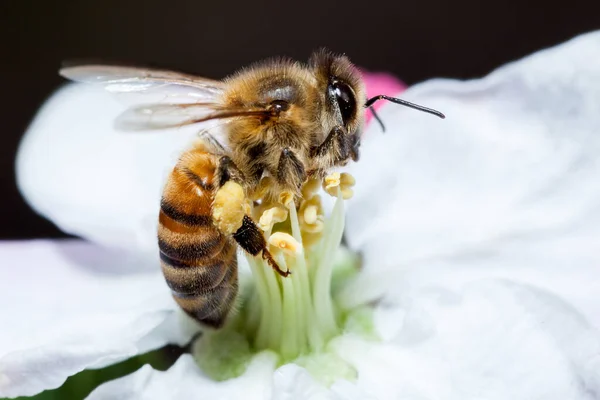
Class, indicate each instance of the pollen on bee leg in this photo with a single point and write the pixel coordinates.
(284, 242)
(344, 181)
(229, 207)
(272, 216)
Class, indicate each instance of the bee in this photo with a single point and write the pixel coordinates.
(281, 119)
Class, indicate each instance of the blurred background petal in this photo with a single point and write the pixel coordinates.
(69, 305)
(506, 186)
(91, 180)
(488, 340)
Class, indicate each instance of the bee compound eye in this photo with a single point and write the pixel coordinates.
(344, 96)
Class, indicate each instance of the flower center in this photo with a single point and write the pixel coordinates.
(293, 316)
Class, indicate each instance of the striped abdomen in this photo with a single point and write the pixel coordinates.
(199, 262)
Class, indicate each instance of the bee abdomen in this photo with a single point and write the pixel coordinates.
(198, 261)
(194, 278)
(211, 306)
(192, 252)
(200, 268)
(191, 220)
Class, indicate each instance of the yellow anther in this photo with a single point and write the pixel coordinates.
(310, 188)
(342, 181)
(284, 242)
(286, 198)
(310, 214)
(317, 227)
(347, 180)
(229, 207)
(272, 216)
(347, 193)
(310, 239)
(331, 182)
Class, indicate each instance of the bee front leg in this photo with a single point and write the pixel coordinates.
(290, 170)
(336, 148)
(231, 211)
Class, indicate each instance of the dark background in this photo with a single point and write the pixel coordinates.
(416, 40)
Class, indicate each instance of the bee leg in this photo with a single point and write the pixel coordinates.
(228, 171)
(335, 148)
(248, 236)
(354, 152)
(290, 169)
(251, 239)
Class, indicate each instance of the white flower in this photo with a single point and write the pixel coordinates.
(480, 232)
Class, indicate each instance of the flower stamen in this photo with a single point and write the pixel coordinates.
(284, 242)
(272, 216)
(344, 182)
(295, 316)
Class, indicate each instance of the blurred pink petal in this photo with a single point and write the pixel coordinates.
(381, 83)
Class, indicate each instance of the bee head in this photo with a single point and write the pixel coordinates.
(344, 94)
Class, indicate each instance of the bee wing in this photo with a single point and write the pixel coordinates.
(162, 116)
(164, 99)
(150, 85)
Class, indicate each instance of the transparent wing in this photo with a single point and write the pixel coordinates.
(163, 99)
(148, 85)
(162, 116)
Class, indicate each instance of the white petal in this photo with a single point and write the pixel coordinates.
(491, 340)
(292, 382)
(74, 168)
(260, 382)
(69, 305)
(506, 185)
(184, 380)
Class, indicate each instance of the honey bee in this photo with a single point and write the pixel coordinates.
(284, 120)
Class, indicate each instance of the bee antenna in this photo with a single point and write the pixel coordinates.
(377, 118)
(374, 99)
